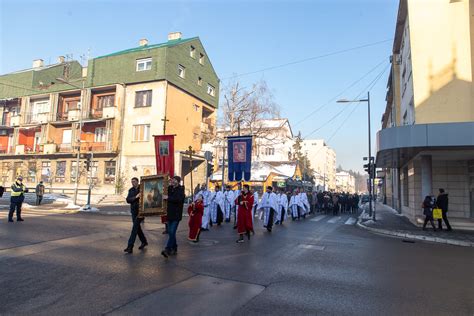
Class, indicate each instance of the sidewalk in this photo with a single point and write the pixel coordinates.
(389, 222)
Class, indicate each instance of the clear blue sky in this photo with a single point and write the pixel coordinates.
(240, 37)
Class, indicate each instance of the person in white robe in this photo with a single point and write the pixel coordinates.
(294, 205)
(282, 206)
(217, 206)
(269, 204)
(206, 198)
(305, 202)
(228, 203)
(235, 209)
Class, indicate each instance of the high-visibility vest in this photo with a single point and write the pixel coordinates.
(19, 193)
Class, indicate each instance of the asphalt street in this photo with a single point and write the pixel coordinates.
(58, 264)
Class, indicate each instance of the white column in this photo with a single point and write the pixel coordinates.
(426, 176)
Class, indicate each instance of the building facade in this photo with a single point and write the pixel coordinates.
(323, 161)
(345, 182)
(109, 111)
(427, 141)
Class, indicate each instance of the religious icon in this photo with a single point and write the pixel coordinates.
(240, 151)
(164, 148)
(152, 189)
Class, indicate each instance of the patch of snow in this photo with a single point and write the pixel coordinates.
(71, 206)
(88, 209)
(369, 222)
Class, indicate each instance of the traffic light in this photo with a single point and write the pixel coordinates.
(210, 169)
(367, 168)
(87, 163)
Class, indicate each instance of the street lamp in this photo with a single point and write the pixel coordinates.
(370, 147)
(76, 186)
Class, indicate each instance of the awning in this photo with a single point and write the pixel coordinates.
(398, 145)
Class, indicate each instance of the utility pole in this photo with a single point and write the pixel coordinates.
(190, 151)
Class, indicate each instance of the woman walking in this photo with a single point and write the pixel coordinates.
(427, 206)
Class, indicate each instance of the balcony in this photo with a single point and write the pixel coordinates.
(15, 121)
(93, 147)
(62, 116)
(6, 149)
(64, 148)
(25, 149)
(36, 118)
(73, 115)
(110, 112)
(49, 148)
(96, 113)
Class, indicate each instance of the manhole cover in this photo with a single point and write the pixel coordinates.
(313, 247)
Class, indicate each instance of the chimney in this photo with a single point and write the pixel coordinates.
(143, 42)
(174, 36)
(61, 59)
(37, 63)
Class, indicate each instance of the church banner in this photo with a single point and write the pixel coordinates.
(164, 153)
(239, 153)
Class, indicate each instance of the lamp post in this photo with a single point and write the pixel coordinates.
(370, 148)
(76, 187)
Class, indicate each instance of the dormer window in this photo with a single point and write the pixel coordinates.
(201, 59)
(192, 52)
(181, 71)
(211, 90)
(143, 64)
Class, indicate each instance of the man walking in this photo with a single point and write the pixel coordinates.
(133, 198)
(442, 203)
(175, 200)
(269, 204)
(16, 199)
(39, 192)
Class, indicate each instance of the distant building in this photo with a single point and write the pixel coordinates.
(323, 161)
(128, 97)
(345, 182)
(426, 141)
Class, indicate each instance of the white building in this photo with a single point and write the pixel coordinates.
(323, 161)
(345, 182)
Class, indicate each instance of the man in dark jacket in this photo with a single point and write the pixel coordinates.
(442, 203)
(16, 199)
(133, 198)
(175, 200)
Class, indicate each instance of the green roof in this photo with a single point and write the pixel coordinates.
(146, 47)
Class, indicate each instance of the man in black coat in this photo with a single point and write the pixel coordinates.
(175, 200)
(133, 199)
(442, 203)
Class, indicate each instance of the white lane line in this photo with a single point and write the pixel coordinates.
(351, 221)
(318, 218)
(334, 220)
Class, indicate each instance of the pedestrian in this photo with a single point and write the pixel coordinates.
(283, 206)
(293, 205)
(206, 199)
(175, 199)
(195, 211)
(133, 198)
(269, 204)
(2, 190)
(442, 203)
(39, 192)
(244, 203)
(217, 206)
(427, 206)
(228, 201)
(16, 199)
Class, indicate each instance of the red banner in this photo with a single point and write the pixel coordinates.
(164, 153)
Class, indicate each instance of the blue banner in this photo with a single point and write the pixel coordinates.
(239, 153)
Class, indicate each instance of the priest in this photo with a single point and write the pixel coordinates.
(269, 204)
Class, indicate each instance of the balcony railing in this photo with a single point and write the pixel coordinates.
(5, 121)
(32, 118)
(90, 146)
(96, 114)
(32, 149)
(6, 150)
(62, 116)
(64, 148)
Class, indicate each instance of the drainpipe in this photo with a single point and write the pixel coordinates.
(120, 138)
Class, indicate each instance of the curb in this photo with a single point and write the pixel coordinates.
(417, 237)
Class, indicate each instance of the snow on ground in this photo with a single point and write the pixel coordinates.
(88, 209)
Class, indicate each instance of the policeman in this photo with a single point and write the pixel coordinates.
(17, 198)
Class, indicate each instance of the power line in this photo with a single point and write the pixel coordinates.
(309, 59)
(369, 86)
(340, 93)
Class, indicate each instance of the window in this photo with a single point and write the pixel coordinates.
(181, 71)
(192, 52)
(67, 136)
(269, 151)
(73, 171)
(143, 64)
(199, 81)
(211, 90)
(99, 135)
(141, 133)
(46, 171)
(196, 107)
(143, 98)
(201, 58)
(94, 167)
(40, 106)
(109, 172)
(60, 171)
(105, 101)
(31, 171)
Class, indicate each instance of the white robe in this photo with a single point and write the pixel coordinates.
(294, 203)
(269, 201)
(206, 199)
(282, 205)
(217, 199)
(228, 203)
(304, 199)
(255, 204)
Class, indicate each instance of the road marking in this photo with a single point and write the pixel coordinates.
(314, 247)
(318, 218)
(351, 221)
(334, 220)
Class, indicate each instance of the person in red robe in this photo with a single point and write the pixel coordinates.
(244, 217)
(195, 211)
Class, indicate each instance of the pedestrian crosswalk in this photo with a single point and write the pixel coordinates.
(334, 219)
(34, 212)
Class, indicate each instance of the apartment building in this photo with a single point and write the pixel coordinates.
(426, 141)
(323, 161)
(109, 109)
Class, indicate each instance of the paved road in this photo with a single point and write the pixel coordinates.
(74, 264)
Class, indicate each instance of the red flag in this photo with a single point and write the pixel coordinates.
(164, 153)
